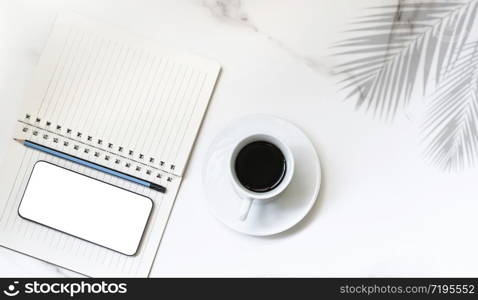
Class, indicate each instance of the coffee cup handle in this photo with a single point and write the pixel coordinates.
(245, 208)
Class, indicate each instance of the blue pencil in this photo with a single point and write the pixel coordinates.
(92, 165)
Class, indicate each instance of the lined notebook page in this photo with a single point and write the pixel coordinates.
(65, 250)
(117, 100)
(121, 93)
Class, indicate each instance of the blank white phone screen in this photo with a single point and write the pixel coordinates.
(85, 208)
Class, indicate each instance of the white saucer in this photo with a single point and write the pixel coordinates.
(274, 216)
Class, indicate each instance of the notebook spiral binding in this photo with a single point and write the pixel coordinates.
(136, 162)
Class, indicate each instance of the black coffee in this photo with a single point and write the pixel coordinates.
(260, 166)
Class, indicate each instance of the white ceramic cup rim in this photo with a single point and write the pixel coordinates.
(246, 193)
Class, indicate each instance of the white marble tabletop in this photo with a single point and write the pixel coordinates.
(383, 210)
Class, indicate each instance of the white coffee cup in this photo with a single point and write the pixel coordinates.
(249, 196)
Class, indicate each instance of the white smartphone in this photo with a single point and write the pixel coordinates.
(85, 207)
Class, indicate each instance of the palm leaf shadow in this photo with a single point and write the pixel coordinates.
(382, 63)
(452, 125)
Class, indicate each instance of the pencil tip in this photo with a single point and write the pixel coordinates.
(18, 140)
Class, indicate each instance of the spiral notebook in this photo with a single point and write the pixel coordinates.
(117, 100)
